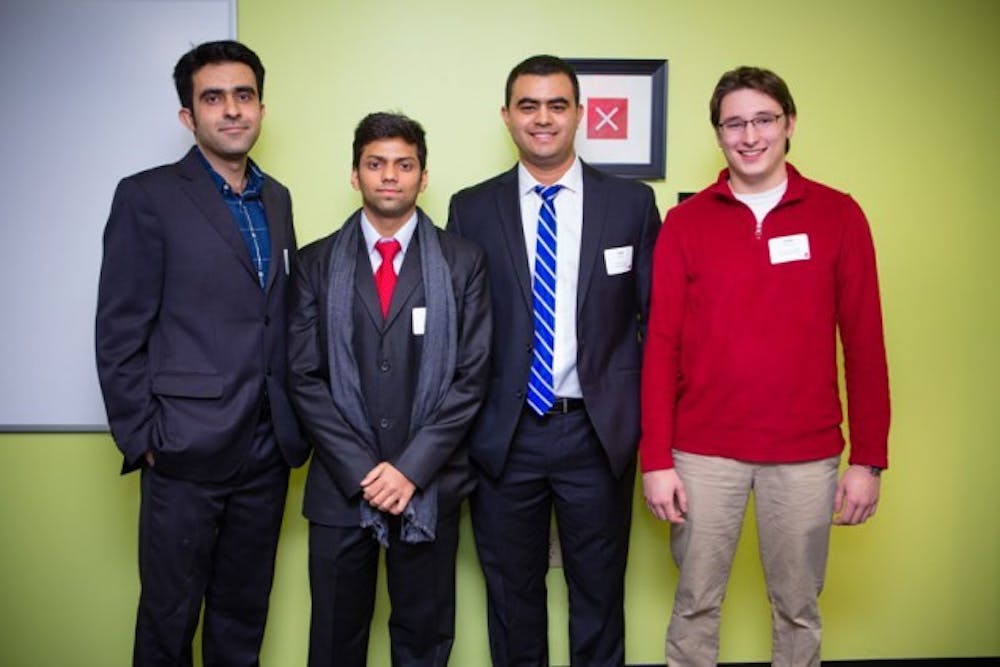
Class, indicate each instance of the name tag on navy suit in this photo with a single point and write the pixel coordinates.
(418, 318)
(618, 260)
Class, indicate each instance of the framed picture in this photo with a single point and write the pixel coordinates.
(625, 116)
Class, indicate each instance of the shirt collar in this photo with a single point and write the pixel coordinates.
(774, 193)
(572, 180)
(255, 178)
(404, 235)
(796, 185)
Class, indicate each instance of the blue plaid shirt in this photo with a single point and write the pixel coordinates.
(248, 212)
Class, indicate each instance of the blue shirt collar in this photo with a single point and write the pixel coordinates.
(255, 178)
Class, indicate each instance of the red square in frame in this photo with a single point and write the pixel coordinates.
(607, 118)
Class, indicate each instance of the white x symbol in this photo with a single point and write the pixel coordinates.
(606, 118)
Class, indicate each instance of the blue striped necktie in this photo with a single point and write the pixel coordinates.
(541, 390)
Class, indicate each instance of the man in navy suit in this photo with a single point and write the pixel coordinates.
(191, 358)
(389, 336)
(574, 449)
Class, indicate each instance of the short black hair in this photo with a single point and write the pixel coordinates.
(542, 65)
(209, 53)
(383, 125)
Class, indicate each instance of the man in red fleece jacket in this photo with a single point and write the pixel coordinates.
(752, 279)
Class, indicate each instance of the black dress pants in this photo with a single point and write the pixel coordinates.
(343, 565)
(555, 462)
(210, 544)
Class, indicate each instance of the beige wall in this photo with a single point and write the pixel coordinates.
(895, 107)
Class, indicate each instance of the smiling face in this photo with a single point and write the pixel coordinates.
(542, 118)
(389, 178)
(756, 156)
(226, 113)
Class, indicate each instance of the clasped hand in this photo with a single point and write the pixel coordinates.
(386, 489)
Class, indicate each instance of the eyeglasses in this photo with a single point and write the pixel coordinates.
(761, 123)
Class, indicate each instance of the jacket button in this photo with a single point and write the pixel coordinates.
(519, 394)
(383, 423)
(384, 366)
(267, 372)
(267, 320)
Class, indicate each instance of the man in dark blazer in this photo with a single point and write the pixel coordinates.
(573, 451)
(386, 374)
(191, 357)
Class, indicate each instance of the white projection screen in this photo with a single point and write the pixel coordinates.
(88, 98)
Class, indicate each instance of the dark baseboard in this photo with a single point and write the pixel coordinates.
(908, 662)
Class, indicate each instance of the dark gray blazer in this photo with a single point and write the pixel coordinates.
(388, 357)
(188, 346)
(611, 310)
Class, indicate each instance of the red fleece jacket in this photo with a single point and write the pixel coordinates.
(740, 356)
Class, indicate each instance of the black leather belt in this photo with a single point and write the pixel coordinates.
(562, 406)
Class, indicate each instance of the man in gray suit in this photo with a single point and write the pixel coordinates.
(191, 357)
(569, 253)
(389, 336)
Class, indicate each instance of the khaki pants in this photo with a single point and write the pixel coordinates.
(794, 508)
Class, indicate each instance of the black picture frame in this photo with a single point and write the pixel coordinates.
(596, 70)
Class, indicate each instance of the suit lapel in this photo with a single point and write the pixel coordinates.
(595, 212)
(202, 191)
(509, 210)
(276, 226)
(410, 277)
(364, 282)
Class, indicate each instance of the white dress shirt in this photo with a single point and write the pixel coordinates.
(404, 236)
(569, 229)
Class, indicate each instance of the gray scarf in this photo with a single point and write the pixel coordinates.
(437, 363)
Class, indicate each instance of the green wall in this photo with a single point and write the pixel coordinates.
(895, 106)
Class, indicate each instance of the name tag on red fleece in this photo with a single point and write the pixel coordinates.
(794, 248)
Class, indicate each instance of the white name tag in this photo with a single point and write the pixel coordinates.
(618, 260)
(794, 248)
(419, 320)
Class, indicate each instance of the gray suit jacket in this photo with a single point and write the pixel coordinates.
(188, 346)
(611, 310)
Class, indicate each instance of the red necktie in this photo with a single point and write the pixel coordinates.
(385, 276)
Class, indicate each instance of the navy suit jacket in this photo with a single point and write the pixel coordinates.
(611, 310)
(189, 347)
(388, 356)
